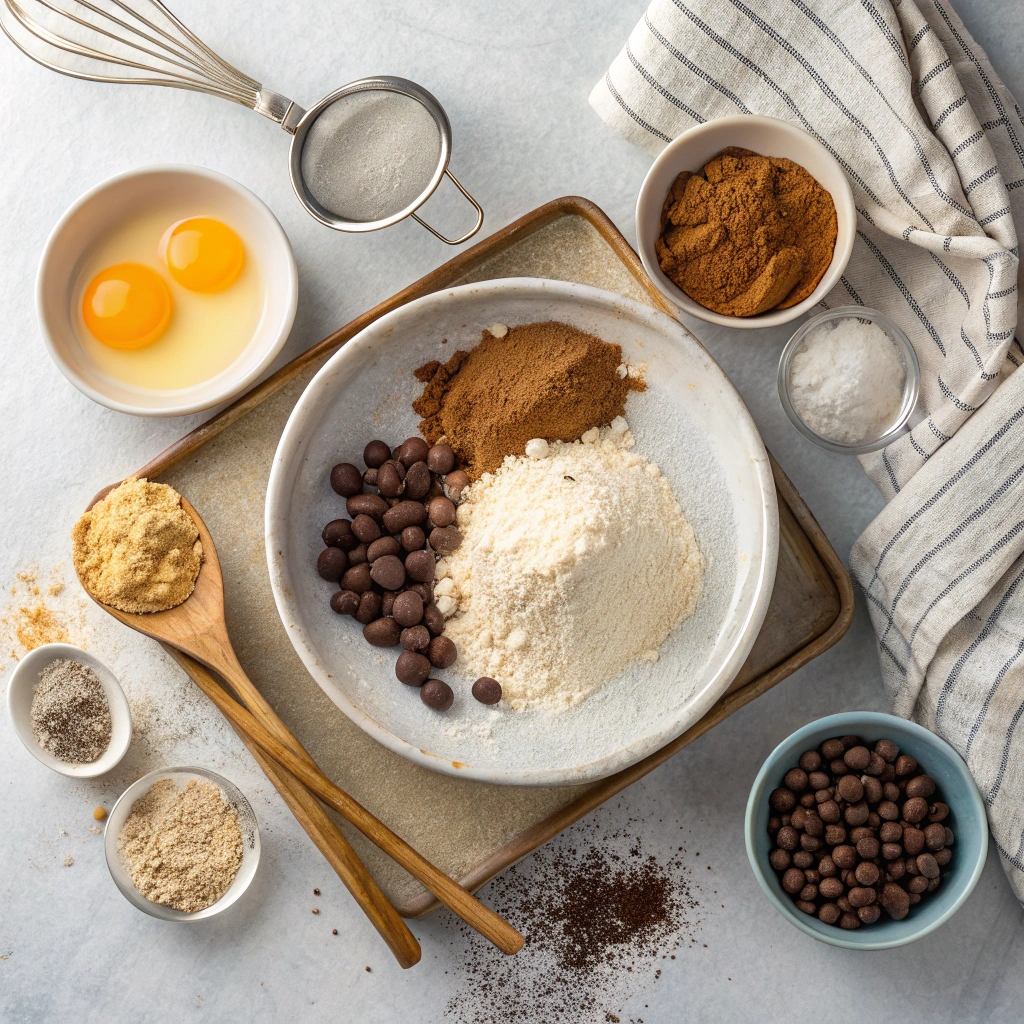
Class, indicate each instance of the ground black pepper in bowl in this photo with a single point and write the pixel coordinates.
(857, 832)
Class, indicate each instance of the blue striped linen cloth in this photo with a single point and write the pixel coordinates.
(933, 145)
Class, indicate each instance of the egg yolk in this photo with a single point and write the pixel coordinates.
(127, 306)
(203, 254)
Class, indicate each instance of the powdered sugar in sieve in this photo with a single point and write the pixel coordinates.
(369, 155)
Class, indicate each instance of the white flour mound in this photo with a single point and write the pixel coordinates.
(574, 563)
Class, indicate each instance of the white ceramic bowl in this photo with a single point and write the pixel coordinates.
(181, 777)
(769, 137)
(22, 686)
(119, 199)
(690, 421)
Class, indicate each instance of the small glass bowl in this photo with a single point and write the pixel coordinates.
(181, 777)
(911, 387)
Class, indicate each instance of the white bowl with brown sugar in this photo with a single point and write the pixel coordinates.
(689, 420)
(767, 137)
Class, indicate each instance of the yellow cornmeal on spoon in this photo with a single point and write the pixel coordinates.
(137, 549)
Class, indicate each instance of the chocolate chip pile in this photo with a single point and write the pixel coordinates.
(858, 831)
(383, 557)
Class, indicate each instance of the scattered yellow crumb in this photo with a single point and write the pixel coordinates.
(68, 861)
(35, 625)
(55, 589)
(99, 813)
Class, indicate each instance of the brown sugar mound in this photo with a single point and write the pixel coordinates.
(545, 380)
(137, 549)
(748, 234)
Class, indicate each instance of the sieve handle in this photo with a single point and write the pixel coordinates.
(469, 234)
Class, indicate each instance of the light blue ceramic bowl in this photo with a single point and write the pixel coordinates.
(967, 819)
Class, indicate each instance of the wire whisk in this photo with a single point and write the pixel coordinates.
(141, 43)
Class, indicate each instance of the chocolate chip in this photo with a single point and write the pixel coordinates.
(412, 669)
(943, 856)
(375, 454)
(802, 859)
(338, 534)
(441, 458)
(829, 913)
(868, 848)
(844, 857)
(437, 695)
(408, 609)
(894, 901)
(921, 785)
(935, 837)
(795, 779)
(413, 538)
(810, 761)
(835, 835)
(888, 811)
(357, 556)
(369, 607)
(346, 480)
(345, 602)
(413, 450)
(488, 691)
(420, 566)
(856, 814)
(415, 638)
(872, 789)
(382, 632)
(938, 812)
(779, 859)
(913, 840)
(887, 750)
(367, 504)
(793, 881)
(441, 511)
(890, 791)
(331, 563)
(782, 800)
(455, 483)
(425, 590)
(905, 765)
(849, 921)
(890, 832)
(433, 619)
(445, 539)
(831, 749)
(829, 811)
(927, 865)
(831, 888)
(818, 781)
(849, 787)
(870, 914)
(387, 602)
(370, 478)
(789, 839)
(875, 764)
(915, 809)
(917, 884)
(382, 546)
(417, 481)
(366, 529)
(861, 896)
(391, 479)
(442, 652)
(357, 579)
(405, 513)
(857, 758)
(389, 572)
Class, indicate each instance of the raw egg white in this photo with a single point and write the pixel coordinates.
(185, 310)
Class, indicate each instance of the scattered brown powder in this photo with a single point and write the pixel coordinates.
(545, 380)
(35, 625)
(182, 848)
(748, 234)
(137, 549)
(600, 915)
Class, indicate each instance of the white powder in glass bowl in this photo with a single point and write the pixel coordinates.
(846, 381)
(576, 561)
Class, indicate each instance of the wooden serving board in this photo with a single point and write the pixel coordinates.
(471, 830)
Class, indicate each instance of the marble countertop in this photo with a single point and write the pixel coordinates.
(514, 79)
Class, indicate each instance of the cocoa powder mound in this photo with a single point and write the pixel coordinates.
(545, 380)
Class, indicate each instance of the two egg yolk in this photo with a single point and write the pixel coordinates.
(128, 305)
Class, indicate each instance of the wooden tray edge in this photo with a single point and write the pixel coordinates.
(524, 844)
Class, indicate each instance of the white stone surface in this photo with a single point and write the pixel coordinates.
(514, 79)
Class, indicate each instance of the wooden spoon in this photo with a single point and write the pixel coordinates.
(197, 628)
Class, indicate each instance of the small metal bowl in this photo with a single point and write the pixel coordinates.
(911, 387)
(181, 777)
(21, 688)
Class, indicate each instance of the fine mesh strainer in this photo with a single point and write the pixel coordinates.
(365, 157)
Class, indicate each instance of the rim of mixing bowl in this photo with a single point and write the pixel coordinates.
(381, 83)
(911, 387)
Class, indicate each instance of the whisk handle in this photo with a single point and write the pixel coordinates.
(279, 108)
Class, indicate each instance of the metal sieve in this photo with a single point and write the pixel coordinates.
(365, 157)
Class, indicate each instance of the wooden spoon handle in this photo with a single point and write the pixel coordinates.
(450, 893)
(324, 833)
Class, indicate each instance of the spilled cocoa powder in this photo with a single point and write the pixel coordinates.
(599, 921)
(545, 380)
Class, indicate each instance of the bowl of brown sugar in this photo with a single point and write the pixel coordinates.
(745, 221)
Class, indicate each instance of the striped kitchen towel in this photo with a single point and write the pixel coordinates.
(933, 145)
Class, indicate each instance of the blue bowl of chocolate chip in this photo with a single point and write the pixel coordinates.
(865, 830)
